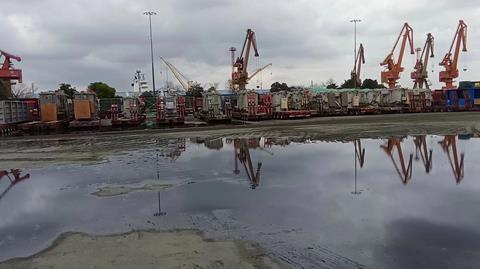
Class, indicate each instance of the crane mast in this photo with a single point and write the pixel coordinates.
(393, 69)
(420, 74)
(451, 65)
(357, 68)
(239, 72)
(186, 84)
(8, 73)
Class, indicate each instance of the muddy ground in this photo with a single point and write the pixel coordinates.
(145, 249)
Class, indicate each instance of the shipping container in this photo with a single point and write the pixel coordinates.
(13, 111)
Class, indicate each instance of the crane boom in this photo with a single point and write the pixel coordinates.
(240, 73)
(357, 68)
(186, 84)
(393, 69)
(420, 74)
(451, 65)
(258, 71)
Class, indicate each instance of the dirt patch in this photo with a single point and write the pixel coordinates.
(110, 191)
(145, 249)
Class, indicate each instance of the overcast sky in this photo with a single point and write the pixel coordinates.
(79, 42)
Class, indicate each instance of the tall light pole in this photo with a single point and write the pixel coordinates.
(355, 21)
(150, 14)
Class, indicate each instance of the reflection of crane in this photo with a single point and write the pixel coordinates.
(240, 73)
(357, 68)
(8, 73)
(421, 145)
(450, 142)
(17, 178)
(242, 153)
(393, 69)
(420, 74)
(451, 65)
(406, 170)
(186, 84)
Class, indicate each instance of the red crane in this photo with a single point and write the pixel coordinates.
(406, 169)
(393, 69)
(420, 74)
(451, 65)
(8, 73)
(239, 72)
(357, 68)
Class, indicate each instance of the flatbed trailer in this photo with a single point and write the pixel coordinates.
(291, 114)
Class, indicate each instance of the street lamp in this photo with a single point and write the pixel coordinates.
(355, 21)
(150, 14)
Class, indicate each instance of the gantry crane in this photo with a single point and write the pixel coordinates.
(239, 70)
(357, 68)
(393, 69)
(420, 75)
(406, 170)
(451, 64)
(9, 73)
(448, 143)
(184, 81)
(421, 146)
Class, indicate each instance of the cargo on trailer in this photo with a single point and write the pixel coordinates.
(54, 107)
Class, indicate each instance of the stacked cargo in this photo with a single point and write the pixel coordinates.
(253, 106)
(170, 109)
(215, 109)
(54, 107)
(85, 106)
(291, 104)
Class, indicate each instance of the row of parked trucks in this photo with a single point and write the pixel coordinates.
(53, 110)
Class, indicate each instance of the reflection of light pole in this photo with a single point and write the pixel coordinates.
(355, 48)
(150, 14)
(159, 213)
(356, 189)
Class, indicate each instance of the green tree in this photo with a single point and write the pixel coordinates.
(277, 87)
(67, 89)
(371, 84)
(332, 86)
(195, 90)
(349, 84)
(102, 90)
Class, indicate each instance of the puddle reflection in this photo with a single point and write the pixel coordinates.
(14, 176)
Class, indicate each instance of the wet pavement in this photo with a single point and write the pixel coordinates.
(406, 202)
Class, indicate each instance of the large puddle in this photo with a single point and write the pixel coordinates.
(407, 202)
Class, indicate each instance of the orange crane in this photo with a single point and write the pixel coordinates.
(420, 74)
(242, 154)
(451, 65)
(393, 69)
(8, 72)
(239, 70)
(406, 170)
(357, 68)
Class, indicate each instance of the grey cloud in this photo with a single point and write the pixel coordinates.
(79, 41)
